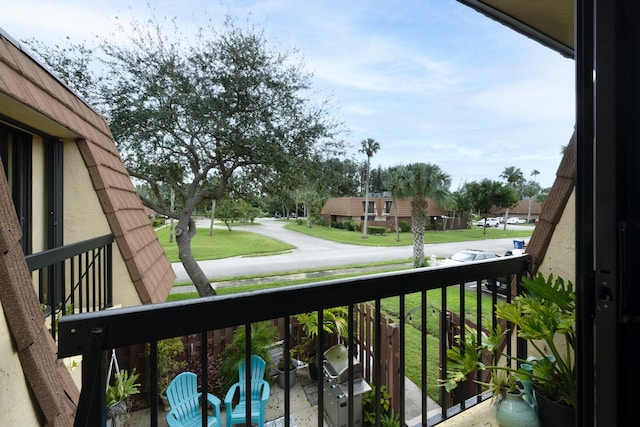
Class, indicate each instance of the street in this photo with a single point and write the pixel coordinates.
(312, 252)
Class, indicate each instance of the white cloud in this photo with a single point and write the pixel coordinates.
(432, 81)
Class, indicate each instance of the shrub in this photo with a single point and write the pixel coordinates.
(405, 227)
(347, 225)
(374, 229)
(171, 361)
(321, 222)
(158, 222)
(215, 381)
(369, 406)
(299, 221)
(356, 226)
(335, 224)
(263, 334)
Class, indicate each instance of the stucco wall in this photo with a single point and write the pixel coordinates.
(561, 254)
(38, 199)
(84, 218)
(16, 406)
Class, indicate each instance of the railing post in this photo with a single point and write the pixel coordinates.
(92, 403)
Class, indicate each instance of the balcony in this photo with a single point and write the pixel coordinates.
(93, 335)
(74, 278)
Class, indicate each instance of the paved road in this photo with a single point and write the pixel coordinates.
(312, 252)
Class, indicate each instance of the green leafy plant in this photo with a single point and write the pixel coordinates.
(171, 361)
(334, 322)
(124, 385)
(545, 317)
(369, 407)
(263, 334)
(390, 420)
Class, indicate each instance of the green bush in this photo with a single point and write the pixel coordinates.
(347, 225)
(356, 226)
(369, 406)
(405, 227)
(374, 229)
(263, 334)
(158, 222)
(299, 221)
(338, 225)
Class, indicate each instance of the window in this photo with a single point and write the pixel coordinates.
(15, 150)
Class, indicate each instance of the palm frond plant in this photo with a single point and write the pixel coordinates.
(545, 317)
(334, 322)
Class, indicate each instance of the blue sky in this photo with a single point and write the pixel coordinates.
(432, 81)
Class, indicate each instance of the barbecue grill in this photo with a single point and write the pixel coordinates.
(335, 387)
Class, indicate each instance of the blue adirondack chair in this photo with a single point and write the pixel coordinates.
(184, 398)
(258, 395)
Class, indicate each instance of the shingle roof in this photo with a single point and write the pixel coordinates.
(23, 79)
(43, 103)
(554, 206)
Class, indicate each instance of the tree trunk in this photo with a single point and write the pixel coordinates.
(395, 210)
(213, 216)
(366, 200)
(506, 217)
(418, 223)
(185, 230)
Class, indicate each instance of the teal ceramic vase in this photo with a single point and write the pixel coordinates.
(512, 410)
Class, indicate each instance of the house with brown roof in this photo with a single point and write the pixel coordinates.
(525, 209)
(382, 212)
(74, 235)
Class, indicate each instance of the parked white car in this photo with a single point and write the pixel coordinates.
(491, 222)
(516, 220)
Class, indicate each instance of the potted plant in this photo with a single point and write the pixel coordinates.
(545, 317)
(124, 385)
(170, 364)
(282, 372)
(334, 323)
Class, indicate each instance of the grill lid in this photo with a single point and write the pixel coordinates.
(336, 364)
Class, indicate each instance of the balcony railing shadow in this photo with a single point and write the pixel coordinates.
(94, 335)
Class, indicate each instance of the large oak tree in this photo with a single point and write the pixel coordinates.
(196, 113)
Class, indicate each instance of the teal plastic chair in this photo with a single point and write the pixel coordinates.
(258, 395)
(184, 398)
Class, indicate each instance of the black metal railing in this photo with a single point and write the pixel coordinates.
(93, 335)
(75, 278)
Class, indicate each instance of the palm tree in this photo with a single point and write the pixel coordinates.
(421, 181)
(535, 173)
(370, 147)
(311, 201)
(393, 183)
(515, 179)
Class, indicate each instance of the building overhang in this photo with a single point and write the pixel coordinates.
(549, 22)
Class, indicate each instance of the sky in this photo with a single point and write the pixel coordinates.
(432, 81)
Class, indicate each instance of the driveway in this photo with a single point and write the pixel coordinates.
(312, 252)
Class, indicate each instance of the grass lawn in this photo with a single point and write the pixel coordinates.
(223, 244)
(389, 239)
